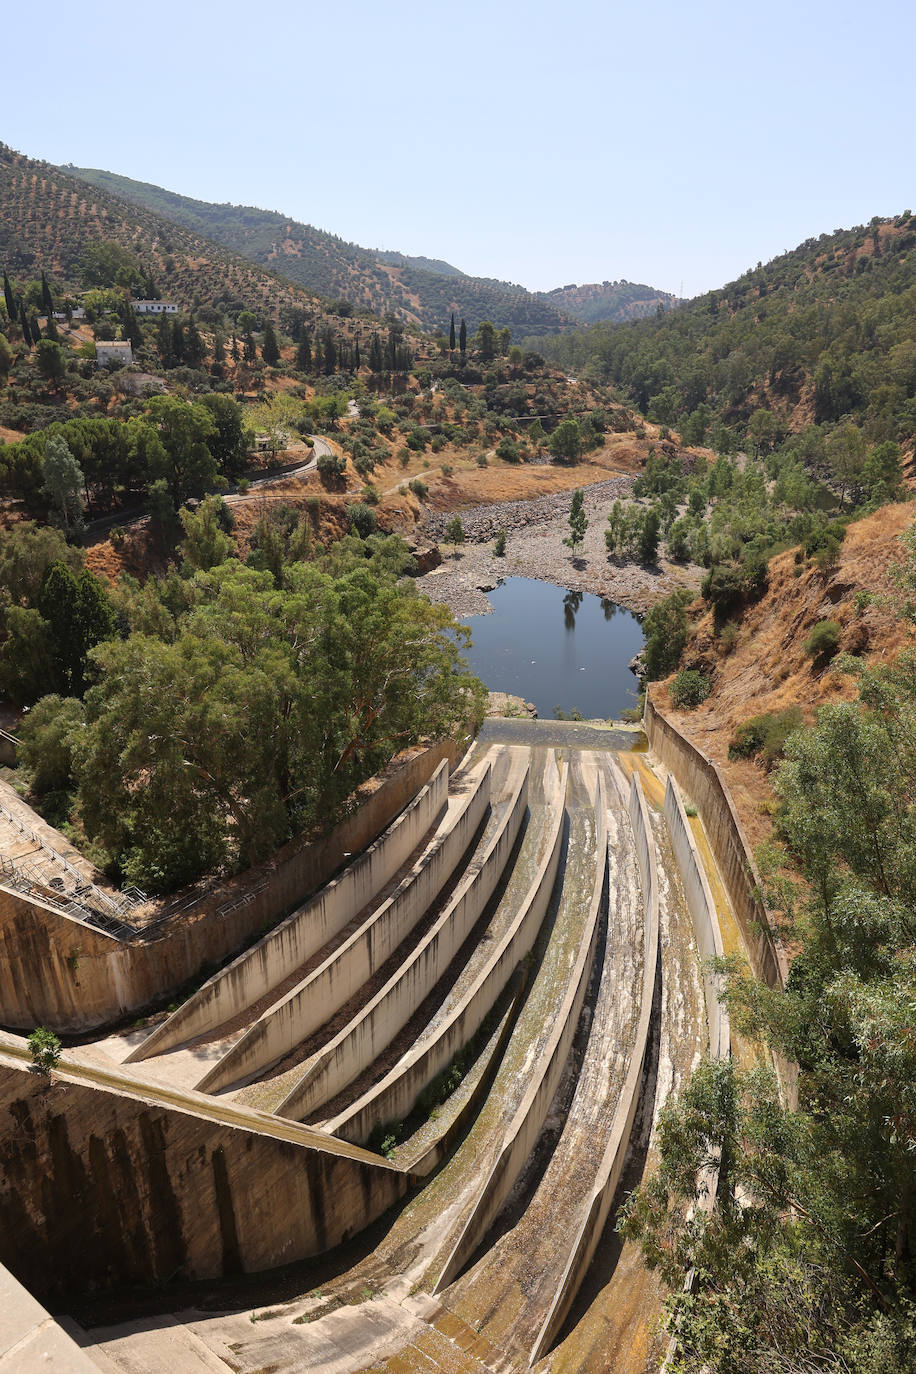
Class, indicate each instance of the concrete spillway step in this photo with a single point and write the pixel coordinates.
(360, 1041)
(510, 934)
(370, 938)
(521, 1288)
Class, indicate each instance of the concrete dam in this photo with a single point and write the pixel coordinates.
(394, 1130)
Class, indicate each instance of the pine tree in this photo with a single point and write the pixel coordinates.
(463, 339)
(451, 334)
(47, 304)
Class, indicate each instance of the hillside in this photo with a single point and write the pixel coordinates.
(614, 301)
(388, 283)
(48, 219)
(820, 336)
(764, 667)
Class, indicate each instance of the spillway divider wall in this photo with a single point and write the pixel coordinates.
(359, 1042)
(308, 1005)
(528, 1121)
(394, 1096)
(611, 1167)
(251, 975)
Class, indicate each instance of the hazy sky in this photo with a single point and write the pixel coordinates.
(669, 143)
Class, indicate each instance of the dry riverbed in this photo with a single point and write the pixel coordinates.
(535, 531)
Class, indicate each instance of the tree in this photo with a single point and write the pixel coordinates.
(46, 739)
(25, 326)
(206, 544)
(454, 532)
(648, 537)
(463, 341)
(264, 710)
(578, 522)
(49, 356)
(183, 458)
(565, 443)
(451, 334)
(665, 629)
(485, 339)
(6, 356)
(376, 355)
(47, 304)
(227, 442)
(194, 352)
(10, 299)
(270, 349)
(846, 454)
(63, 484)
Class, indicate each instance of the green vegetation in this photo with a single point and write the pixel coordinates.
(228, 707)
(823, 641)
(44, 1047)
(578, 521)
(808, 1259)
(690, 688)
(765, 736)
(665, 631)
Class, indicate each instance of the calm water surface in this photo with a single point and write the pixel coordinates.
(556, 648)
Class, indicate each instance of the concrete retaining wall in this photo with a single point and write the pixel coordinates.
(327, 988)
(253, 974)
(702, 910)
(59, 972)
(528, 1121)
(355, 1047)
(608, 1177)
(394, 1096)
(702, 780)
(103, 1186)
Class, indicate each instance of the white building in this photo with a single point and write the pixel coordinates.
(113, 352)
(155, 307)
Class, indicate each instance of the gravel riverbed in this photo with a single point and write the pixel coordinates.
(535, 531)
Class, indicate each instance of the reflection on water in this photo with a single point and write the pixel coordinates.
(557, 648)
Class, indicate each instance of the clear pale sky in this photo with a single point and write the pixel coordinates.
(669, 143)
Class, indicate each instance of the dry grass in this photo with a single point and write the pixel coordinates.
(768, 669)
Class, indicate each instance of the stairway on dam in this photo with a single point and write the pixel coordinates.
(524, 919)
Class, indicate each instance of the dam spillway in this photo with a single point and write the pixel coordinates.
(498, 994)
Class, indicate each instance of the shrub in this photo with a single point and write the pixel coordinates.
(499, 548)
(419, 488)
(44, 1048)
(665, 629)
(729, 637)
(370, 494)
(447, 469)
(765, 735)
(824, 640)
(689, 688)
(330, 466)
(362, 519)
(116, 536)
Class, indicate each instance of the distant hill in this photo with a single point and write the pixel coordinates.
(49, 218)
(421, 291)
(609, 300)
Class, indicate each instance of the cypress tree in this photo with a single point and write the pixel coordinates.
(194, 345)
(24, 326)
(330, 352)
(47, 304)
(9, 298)
(463, 339)
(376, 357)
(164, 341)
(178, 345)
(270, 350)
(451, 334)
(304, 352)
(356, 355)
